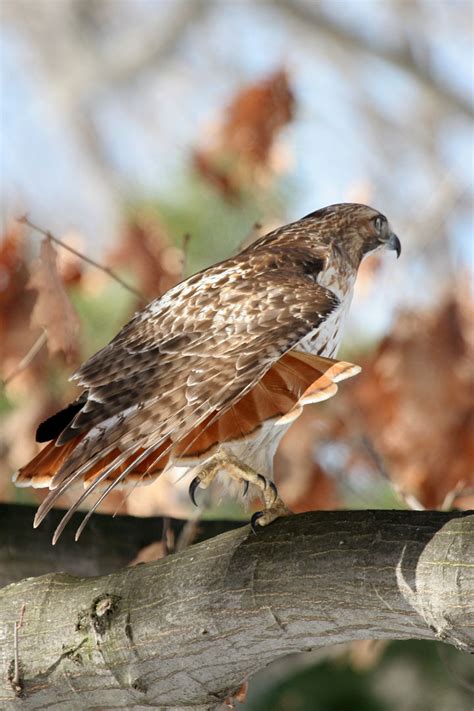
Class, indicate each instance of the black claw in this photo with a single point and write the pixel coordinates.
(262, 479)
(192, 489)
(273, 488)
(254, 519)
(246, 488)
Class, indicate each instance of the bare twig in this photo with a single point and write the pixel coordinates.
(189, 533)
(15, 680)
(186, 240)
(28, 358)
(167, 536)
(457, 492)
(25, 221)
(144, 49)
(310, 16)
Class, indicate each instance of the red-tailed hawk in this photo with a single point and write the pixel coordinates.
(210, 375)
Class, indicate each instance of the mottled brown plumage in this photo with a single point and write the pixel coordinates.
(228, 356)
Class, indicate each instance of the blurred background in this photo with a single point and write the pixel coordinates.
(158, 136)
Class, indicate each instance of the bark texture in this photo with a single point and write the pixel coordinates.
(184, 632)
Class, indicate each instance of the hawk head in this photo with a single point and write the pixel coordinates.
(353, 229)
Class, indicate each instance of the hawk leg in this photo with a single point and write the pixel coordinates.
(238, 470)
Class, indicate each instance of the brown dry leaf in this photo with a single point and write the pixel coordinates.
(239, 695)
(301, 480)
(16, 304)
(243, 150)
(414, 399)
(153, 551)
(364, 654)
(255, 117)
(12, 268)
(70, 265)
(410, 413)
(218, 176)
(162, 495)
(53, 310)
(17, 434)
(147, 251)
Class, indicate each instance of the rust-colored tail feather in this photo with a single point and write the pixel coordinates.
(40, 471)
(296, 380)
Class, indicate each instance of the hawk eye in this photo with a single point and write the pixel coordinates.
(379, 222)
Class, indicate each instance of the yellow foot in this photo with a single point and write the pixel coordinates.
(223, 460)
(263, 518)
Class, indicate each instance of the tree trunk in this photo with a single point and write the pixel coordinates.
(185, 631)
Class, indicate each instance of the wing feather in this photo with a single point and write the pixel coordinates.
(191, 355)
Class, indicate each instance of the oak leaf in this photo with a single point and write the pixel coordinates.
(242, 151)
(146, 250)
(15, 302)
(256, 115)
(53, 309)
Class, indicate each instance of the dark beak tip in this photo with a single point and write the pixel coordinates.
(395, 244)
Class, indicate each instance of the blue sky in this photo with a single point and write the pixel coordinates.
(363, 124)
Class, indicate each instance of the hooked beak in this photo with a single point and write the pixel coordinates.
(394, 244)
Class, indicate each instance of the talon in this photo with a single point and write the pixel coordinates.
(246, 488)
(254, 519)
(263, 480)
(273, 488)
(192, 489)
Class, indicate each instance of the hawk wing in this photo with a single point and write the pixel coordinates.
(181, 363)
(198, 354)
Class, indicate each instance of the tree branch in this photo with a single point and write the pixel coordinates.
(106, 544)
(403, 58)
(24, 220)
(185, 631)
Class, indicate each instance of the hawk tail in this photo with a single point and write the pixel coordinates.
(295, 380)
